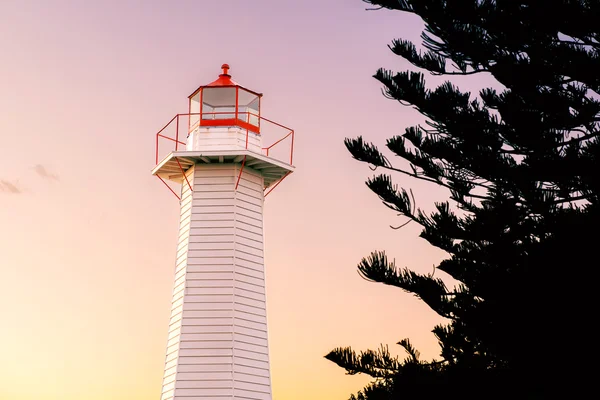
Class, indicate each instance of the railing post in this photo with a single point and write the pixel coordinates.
(156, 149)
(292, 150)
(177, 132)
(201, 108)
(237, 94)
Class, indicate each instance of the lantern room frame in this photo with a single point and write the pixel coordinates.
(244, 99)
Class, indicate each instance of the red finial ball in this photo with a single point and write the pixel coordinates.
(225, 68)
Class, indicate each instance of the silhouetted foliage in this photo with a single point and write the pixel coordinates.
(522, 169)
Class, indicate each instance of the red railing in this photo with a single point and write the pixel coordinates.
(175, 133)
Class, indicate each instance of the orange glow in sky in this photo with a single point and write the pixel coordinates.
(88, 236)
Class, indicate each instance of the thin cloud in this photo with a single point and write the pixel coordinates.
(44, 173)
(9, 187)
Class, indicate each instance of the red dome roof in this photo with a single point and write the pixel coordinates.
(225, 80)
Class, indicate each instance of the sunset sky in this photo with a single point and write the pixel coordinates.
(88, 236)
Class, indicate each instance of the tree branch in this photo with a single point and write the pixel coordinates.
(459, 73)
(578, 139)
(571, 199)
(423, 178)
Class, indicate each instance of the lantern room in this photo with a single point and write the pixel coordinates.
(223, 126)
(225, 103)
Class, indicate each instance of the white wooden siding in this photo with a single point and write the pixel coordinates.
(223, 138)
(174, 338)
(217, 346)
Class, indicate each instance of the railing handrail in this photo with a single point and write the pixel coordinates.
(189, 115)
(280, 140)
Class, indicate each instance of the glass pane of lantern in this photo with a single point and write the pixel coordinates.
(254, 112)
(194, 111)
(218, 103)
(248, 107)
(207, 111)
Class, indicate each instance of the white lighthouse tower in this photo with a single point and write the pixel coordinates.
(217, 343)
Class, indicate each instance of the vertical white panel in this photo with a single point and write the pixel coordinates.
(217, 344)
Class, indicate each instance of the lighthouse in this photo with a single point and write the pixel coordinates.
(219, 157)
